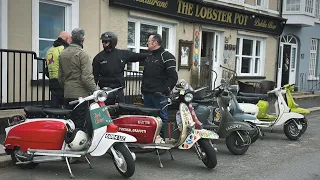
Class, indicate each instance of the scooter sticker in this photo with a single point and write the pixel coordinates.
(233, 127)
(179, 121)
(100, 117)
(115, 137)
(217, 115)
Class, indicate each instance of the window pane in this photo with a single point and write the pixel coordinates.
(245, 65)
(247, 47)
(145, 31)
(44, 46)
(293, 58)
(131, 33)
(238, 45)
(51, 20)
(258, 48)
(257, 65)
(165, 36)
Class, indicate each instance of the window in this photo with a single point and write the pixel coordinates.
(292, 5)
(138, 31)
(309, 6)
(49, 19)
(249, 56)
(259, 2)
(317, 9)
(313, 58)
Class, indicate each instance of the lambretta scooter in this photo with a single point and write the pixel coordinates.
(293, 122)
(49, 134)
(237, 133)
(184, 132)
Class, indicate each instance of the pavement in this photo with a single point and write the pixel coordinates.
(312, 105)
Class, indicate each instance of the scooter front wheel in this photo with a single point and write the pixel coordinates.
(208, 152)
(291, 130)
(127, 167)
(235, 143)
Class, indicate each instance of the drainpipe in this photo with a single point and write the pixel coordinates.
(278, 45)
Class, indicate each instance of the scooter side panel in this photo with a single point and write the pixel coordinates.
(234, 126)
(108, 140)
(286, 116)
(42, 134)
(144, 128)
(195, 135)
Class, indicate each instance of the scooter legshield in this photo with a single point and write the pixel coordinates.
(195, 135)
(109, 139)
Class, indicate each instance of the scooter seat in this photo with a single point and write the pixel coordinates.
(34, 112)
(132, 109)
(261, 96)
(244, 99)
(57, 113)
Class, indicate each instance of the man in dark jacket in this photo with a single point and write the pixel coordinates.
(109, 64)
(52, 69)
(159, 77)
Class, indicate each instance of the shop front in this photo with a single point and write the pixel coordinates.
(204, 37)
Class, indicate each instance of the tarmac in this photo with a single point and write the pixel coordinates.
(311, 104)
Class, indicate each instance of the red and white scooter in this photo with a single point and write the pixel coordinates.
(50, 135)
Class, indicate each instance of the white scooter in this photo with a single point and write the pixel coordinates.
(291, 120)
(44, 136)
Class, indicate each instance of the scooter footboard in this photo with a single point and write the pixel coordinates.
(195, 135)
(109, 139)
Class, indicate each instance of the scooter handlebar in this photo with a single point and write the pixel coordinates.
(74, 102)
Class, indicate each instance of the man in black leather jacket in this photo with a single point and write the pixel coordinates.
(159, 77)
(109, 64)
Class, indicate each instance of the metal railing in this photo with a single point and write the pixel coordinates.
(229, 74)
(308, 83)
(22, 82)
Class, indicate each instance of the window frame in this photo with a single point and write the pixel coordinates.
(313, 61)
(138, 21)
(71, 22)
(260, 70)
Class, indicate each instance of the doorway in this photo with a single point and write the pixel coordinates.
(287, 60)
(210, 71)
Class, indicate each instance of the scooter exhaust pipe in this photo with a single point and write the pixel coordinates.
(41, 159)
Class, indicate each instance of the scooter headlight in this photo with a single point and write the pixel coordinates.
(101, 96)
(188, 97)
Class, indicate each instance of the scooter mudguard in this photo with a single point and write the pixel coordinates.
(235, 126)
(109, 139)
(195, 135)
(287, 116)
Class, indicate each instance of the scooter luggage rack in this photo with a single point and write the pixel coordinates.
(61, 153)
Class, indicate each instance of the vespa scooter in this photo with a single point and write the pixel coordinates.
(294, 123)
(183, 133)
(48, 135)
(237, 133)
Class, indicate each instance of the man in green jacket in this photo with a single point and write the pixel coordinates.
(75, 70)
(52, 58)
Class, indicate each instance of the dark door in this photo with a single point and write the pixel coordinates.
(286, 64)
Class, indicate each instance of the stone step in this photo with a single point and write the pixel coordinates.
(306, 96)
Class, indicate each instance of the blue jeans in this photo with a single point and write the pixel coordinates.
(150, 100)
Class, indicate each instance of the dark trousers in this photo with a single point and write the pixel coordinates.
(57, 99)
(153, 101)
(115, 97)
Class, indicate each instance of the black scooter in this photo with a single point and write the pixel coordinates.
(237, 133)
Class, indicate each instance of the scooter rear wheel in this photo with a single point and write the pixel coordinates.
(234, 143)
(127, 169)
(14, 156)
(210, 157)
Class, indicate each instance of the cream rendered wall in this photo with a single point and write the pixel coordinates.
(250, 2)
(273, 4)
